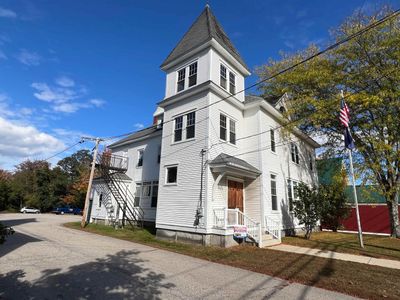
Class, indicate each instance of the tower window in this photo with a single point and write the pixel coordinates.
(178, 128)
(190, 125)
(232, 83)
(193, 74)
(232, 132)
(222, 127)
(222, 81)
(181, 79)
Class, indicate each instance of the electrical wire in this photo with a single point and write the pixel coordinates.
(66, 149)
(333, 46)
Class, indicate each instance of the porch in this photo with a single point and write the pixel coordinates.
(237, 201)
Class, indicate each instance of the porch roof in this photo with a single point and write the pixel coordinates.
(231, 164)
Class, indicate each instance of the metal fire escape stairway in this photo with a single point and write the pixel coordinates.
(110, 167)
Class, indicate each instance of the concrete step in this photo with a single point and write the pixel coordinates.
(269, 243)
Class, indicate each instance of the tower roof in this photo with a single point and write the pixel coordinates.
(202, 30)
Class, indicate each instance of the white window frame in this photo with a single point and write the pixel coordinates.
(294, 153)
(223, 77)
(232, 130)
(140, 158)
(228, 129)
(232, 83)
(166, 174)
(272, 138)
(221, 116)
(184, 127)
(294, 195)
(186, 76)
(275, 179)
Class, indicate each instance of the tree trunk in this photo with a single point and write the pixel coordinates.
(393, 208)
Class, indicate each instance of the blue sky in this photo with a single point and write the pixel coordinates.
(69, 68)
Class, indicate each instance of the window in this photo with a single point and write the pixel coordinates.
(222, 127)
(178, 129)
(232, 131)
(294, 153)
(159, 154)
(140, 158)
(232, 83)
(274, 198)
(181, 80)
(137, 194)
(190, 125)
(154, 194)
(311, 162)
(146, 189)
(290, 194)
(193, 74)
(272, 134)
(222, 78)
(172, 174)
(100, 199)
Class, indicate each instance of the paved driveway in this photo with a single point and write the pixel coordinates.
(44, 260)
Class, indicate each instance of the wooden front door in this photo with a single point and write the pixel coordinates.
(235, 195)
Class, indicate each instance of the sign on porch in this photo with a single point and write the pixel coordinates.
(240, 232)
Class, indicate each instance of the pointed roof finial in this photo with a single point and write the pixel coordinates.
(207, 4)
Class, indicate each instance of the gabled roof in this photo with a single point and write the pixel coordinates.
(202, 30)
(135, 136)
(231, 161)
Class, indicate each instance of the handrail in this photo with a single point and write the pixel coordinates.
(273, 227)
(228, 217)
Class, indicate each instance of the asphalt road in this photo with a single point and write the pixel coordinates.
(44, 260)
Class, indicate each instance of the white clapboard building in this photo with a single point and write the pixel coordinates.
(215, 161)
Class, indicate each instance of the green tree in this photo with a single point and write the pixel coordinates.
(367, 68)
(76, 164)
(5, 189)
(307, 209)
(334, 206)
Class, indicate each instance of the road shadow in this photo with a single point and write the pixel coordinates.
(118, 276)
(15, 241)
(15, 222)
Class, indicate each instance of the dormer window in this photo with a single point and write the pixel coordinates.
(191, 71)
(222, 80)
(232, 84)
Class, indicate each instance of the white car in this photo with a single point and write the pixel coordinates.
(30, 210)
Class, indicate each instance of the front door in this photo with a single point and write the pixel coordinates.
(235, 195)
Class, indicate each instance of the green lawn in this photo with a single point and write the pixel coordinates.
(375, 246)
(355, 279)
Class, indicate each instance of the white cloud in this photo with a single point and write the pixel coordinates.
(7, 13)
(65, 97)
(23, 141)
(28, 58)
(2, 55)
(65, 81)
(138, 126)
(97, 102)
(54, 94)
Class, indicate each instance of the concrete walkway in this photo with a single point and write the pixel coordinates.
(387, 263)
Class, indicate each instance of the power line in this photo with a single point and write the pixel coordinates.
(335, 45)
(66, 149)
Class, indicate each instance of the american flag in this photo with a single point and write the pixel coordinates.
(344, 114)
(345, 120)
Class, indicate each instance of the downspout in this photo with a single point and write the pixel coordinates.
(261, 177)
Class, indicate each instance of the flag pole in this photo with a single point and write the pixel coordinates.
(360, 237)
(349, 144)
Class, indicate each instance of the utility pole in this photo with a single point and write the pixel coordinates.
(86, 207)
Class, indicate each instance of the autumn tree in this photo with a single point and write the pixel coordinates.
(367, 69)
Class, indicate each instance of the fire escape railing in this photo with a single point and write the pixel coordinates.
(110, 167)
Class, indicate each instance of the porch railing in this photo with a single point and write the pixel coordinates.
(228, 218)
(273, 227)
